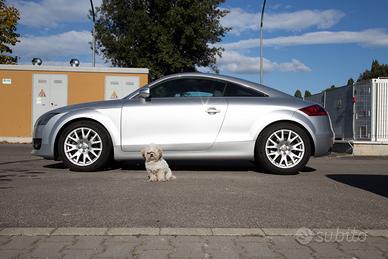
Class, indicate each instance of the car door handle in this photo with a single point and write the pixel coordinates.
(212, 110)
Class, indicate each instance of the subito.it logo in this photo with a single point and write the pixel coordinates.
(304, 235)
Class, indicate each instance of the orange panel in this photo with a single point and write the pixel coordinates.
(16, 99)
(15, 104)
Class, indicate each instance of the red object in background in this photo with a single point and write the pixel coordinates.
(314, 110)
(354, 99)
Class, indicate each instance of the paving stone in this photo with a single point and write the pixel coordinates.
(80, 231)
(326, 249)
(295, 253)
(133, 231)
(58, 239)
(237, 232)
(258, 250)
(154, 243)
(186, 231)
(187, 239)
(380, 243)
(20, 243)
(285, 242)
(45, 250)
(377, 232)
(9, 254)
(220, 240)
(122, 239)
(224, 255)
(88, 242)
(152, 254)
(252, 239)
(26, 231)
(4, 239)
(78, 253)
(354, 245)
(375, 254)
(117, 250)
(188, 250)
(221, 243)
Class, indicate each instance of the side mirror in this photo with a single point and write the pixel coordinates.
(144, 92)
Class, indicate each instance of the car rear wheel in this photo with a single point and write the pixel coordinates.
(283, 148)
(85, 146)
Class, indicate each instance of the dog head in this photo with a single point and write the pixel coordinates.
(151, 153)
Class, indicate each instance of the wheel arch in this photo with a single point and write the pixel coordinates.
(312, 143)
(64, 126)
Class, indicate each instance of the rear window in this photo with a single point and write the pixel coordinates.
(235, 90)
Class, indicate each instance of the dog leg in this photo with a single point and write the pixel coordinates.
(152, 178)
(161, 176)
(169, 175)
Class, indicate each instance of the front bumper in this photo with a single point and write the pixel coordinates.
(42, 145)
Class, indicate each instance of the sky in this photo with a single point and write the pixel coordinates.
(308, 44)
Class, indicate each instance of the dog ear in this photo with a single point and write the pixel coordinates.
(143, 151)
(160, 152)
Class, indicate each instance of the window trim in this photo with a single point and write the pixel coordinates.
(154, 84)
(190, 77)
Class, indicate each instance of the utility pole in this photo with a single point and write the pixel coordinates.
(261, 42)
(93, 34)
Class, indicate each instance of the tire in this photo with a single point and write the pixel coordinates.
(283, 148)
(85, 146)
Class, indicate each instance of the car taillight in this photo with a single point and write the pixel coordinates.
(314, 110)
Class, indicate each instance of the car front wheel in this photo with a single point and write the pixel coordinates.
(283, 148)
(85, 146)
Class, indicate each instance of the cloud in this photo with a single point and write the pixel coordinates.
(50, 13)
(372, 37)
(71, 43)
(241, 20)
(235, 62)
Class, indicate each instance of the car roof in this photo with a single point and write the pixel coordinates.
(262, 88)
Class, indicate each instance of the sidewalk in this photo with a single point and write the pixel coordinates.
(190, 243)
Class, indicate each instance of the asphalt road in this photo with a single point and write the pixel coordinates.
(332, 192)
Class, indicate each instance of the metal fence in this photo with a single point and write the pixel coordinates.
(363, 112)
(358, 112)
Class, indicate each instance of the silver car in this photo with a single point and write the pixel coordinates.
(190, 116)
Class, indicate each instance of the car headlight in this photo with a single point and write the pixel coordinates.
(45, 118)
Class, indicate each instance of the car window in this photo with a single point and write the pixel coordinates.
(188, 87)
(235, 90)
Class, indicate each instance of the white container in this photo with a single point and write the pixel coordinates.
(379, 109)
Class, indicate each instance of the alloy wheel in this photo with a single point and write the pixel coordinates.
(284, 148)
(83, 146)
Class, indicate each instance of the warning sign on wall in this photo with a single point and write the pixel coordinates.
(42, 93)
(114, 95)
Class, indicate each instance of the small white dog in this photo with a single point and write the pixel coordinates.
(157, 168)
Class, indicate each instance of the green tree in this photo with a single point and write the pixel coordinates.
(165, 36)
(9, 17)
(332, 87)
(350, 82)
(298, 93)
(307, 93)
(376, 70)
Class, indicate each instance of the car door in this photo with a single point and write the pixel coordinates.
(181, 114)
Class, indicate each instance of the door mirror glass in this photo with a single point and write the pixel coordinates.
(144, 92)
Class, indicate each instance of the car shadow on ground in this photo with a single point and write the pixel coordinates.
(373, 183)
(206, 165)
(187, 165)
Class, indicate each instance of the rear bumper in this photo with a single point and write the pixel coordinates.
(323, 144)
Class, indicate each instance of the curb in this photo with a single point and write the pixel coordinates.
(72, 231)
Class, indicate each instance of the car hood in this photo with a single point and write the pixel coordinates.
(92, 105)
